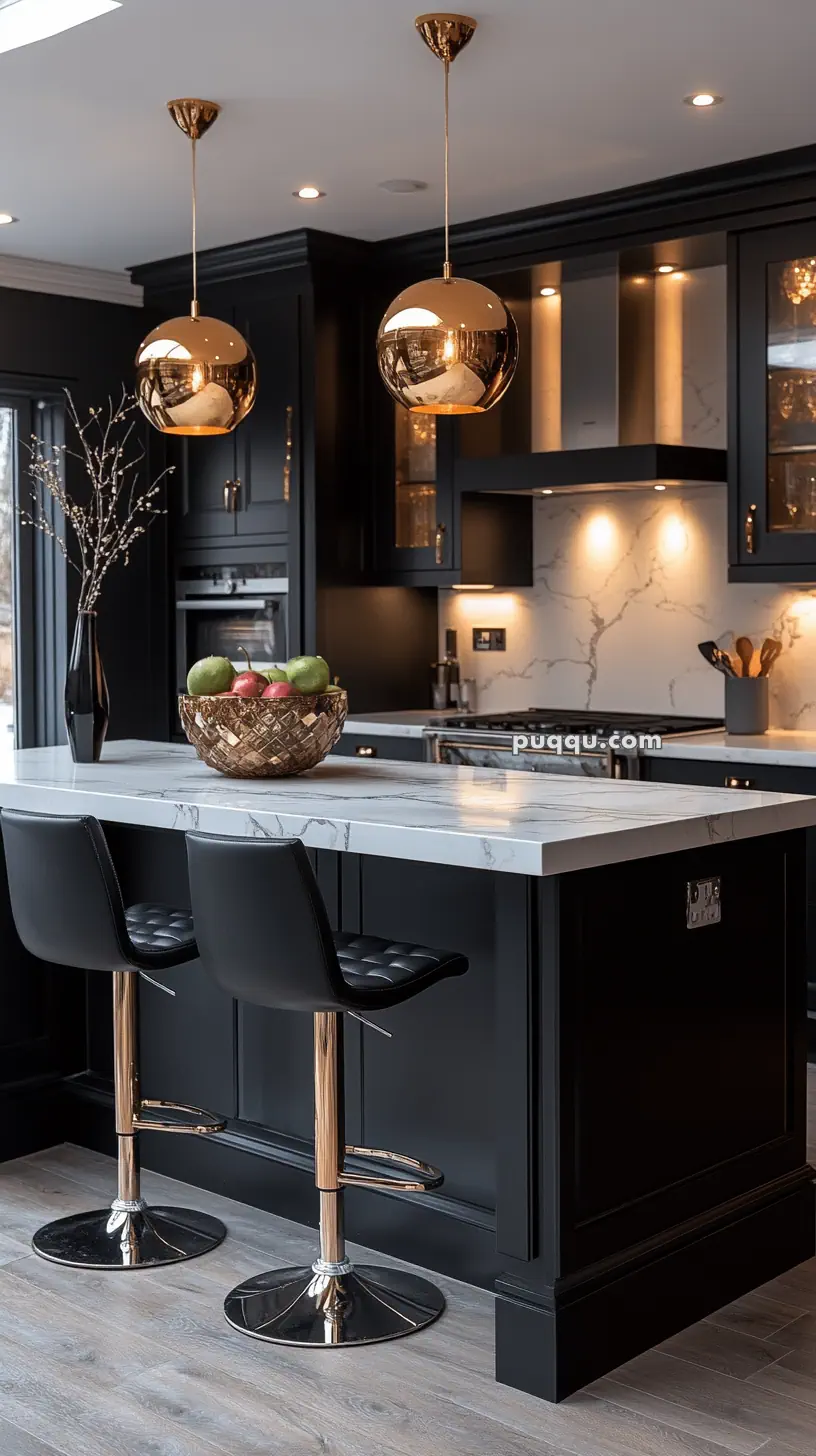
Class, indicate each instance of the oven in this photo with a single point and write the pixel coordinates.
(220, 610)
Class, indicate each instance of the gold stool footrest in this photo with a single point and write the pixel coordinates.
(207, 1121)
(429, 1177)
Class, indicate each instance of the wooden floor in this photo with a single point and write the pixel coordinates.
(144, 1365)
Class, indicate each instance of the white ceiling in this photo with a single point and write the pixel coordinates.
(553, 99)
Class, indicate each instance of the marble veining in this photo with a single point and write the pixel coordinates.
(625, 587)
(531, 824)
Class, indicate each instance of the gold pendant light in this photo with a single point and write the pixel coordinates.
(194, 375)
(448, 346)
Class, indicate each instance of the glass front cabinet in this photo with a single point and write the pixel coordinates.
(772, 463)
(416, 527)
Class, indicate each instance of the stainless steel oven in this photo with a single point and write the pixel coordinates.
(221, 609)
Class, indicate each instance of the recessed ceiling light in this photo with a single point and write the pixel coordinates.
(402, 184)
(665, 268)
(548, 292)
(6, 217)
(703, 99)
(24, 21)
(309, 193)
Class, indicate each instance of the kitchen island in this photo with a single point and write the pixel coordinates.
(615, 1090)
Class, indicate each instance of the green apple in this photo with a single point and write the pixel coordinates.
(209, 676)
(275, 674)
(309, 674)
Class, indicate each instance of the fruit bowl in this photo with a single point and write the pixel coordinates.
(263, 738)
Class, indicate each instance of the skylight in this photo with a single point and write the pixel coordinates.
(24, 21)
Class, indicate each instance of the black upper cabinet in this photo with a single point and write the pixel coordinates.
(209, 466)
(772, 446)
(239, 485)
(268, 459)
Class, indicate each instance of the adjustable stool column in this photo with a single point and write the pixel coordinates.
(68, 909)
(241, 889)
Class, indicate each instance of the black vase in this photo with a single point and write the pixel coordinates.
(87, 706)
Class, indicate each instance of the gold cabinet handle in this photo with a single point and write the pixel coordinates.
(440, 543)
(231, 489)
(734, 783)
(750, 522)
(287, 459)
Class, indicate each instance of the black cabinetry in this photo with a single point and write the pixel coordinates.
(426, 529)
(238, 486)
(772, 464)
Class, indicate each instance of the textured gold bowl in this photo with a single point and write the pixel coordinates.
(263, 738)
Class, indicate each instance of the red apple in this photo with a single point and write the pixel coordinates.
(248, 684)
(280, 690)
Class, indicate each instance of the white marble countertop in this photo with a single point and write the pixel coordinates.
(408, 724)
(777, 746)
(524, 823)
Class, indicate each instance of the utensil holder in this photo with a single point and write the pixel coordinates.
(746, 705)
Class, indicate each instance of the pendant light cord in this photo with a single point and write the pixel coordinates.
(447, 268)
(194, 304)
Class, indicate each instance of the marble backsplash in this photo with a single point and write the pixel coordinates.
(626, 585)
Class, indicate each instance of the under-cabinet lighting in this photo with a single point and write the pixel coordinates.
(666, 268)
(473, 586)
(660, 487)
(308, 193)
(546, 490)
(22, 22)
(548, 292)
(702, 99)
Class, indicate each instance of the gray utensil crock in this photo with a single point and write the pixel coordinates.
(746, 705)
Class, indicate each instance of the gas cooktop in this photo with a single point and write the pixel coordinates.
(579, 721)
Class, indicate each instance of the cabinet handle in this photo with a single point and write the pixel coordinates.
(750, 520)
(440, 543)
(231, 489)
(287, 459)
(734, 783)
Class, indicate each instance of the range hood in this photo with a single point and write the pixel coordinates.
(621, 366)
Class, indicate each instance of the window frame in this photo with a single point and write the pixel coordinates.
(39, 578)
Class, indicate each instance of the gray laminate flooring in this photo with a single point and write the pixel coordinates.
(144, 1364)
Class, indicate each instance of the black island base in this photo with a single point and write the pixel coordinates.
(615, 1090)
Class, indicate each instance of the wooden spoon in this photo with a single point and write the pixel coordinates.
(745, 651)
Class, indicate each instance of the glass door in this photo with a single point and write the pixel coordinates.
(773, 469)
(791, 398)
(415, 479)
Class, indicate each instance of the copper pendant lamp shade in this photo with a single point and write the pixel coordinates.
(448, 346)
(194, 375)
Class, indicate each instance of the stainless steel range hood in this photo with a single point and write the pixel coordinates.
(624, 385)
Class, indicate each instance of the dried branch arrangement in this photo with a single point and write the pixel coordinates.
(117, 511)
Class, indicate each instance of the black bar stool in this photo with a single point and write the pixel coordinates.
(68, 909)
(242, 890)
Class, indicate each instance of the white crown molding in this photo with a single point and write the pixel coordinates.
(69, 281)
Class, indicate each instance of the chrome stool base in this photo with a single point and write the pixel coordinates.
(128, 1238)
(361, 1307)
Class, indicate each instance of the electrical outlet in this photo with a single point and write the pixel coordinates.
(489, 639)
